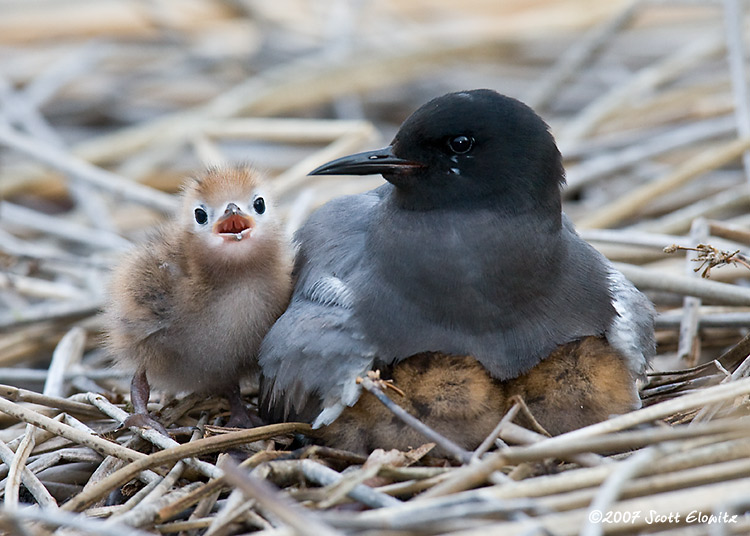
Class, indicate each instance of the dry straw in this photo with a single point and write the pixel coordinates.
(649, 104)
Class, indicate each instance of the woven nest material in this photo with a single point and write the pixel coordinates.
(106, 105)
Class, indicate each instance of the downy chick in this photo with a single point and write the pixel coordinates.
(189, 308)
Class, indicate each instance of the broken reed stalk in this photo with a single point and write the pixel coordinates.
(682, 502)
(187, 450)
(629, 204)
(150, 435)
(324, 476)
(84, 171)
(735, 35)
(58, 518)
(47, 291)
(688, 347)
(15, 394)
(573, 59)
(274, 502)
(96, 443)
(647, 79)
(713, 291)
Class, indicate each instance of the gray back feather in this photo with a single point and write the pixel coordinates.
(312, 356)
(379, 283)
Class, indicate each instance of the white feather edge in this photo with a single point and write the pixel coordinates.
(625, 333)
(349, 396)
(333, 291)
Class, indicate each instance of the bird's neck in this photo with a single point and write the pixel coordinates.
(546, 207)
(463, 245)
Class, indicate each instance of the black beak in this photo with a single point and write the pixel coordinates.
(369, 163)
(232, 209)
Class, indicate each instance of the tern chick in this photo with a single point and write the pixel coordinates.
(189, 308)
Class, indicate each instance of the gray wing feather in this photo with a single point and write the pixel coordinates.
(632, 329)
(310, 360)
(342, 302)
(311, 357)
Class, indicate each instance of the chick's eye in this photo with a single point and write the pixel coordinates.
(461, 144)
(201, 216)
(259, 205)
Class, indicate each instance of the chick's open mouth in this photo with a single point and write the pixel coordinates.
(234, 227)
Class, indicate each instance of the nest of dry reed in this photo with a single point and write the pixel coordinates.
(105, 106)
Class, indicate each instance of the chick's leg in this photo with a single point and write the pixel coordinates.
(140, 391)
(239, 416)
(139, 394)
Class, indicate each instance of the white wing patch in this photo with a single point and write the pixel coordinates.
(349, 396)
(328, 415)
(330, 291)
(631, 330)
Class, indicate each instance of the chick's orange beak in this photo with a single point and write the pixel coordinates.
(234, 224)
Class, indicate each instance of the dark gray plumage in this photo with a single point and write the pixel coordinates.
(465, 252)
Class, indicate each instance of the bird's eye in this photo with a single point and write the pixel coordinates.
(461, 144)
(201, 216)
(259, 205)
